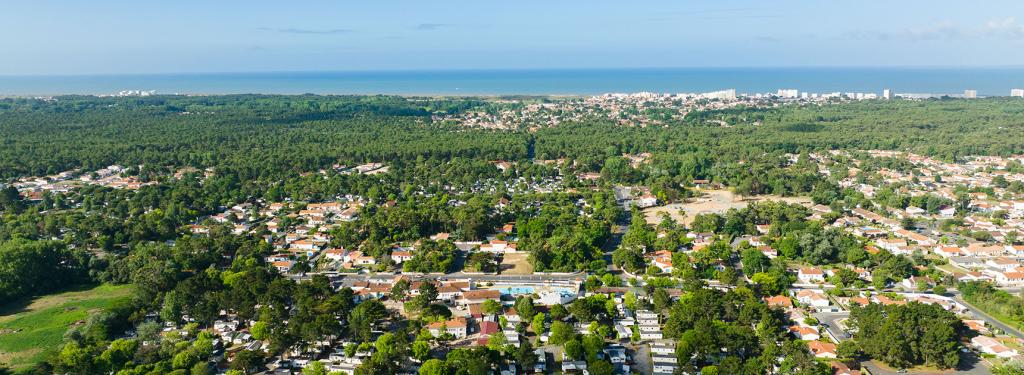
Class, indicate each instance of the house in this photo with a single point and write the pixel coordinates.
(1003, 264)
(651, 333)
(512, 316)
(400, 256)
(1010, 278)
(489, 327)
(498, 247)
(822, 349)
(647, 200)
(663, 260)
(805, 333)
(840, 368)
(470, 297)
(663, 348)
(913, 281)
(335, 254)
(572, 367)
(359, 259)
(858, 301)
(615, 354)
(455, 327)
(892, 245)
(948, 251)
(992, 346)
(283, 265)
(809, 275)
(779, 301)
(646, 317)
(885, 300)
(812, 298)
(977, 326)
(542, 361)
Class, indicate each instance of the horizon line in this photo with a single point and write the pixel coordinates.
(521, 69)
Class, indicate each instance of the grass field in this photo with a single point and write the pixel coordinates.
(32, 330)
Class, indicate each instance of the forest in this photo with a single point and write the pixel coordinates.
(442, 178)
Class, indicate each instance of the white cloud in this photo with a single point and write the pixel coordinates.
(1005, 28)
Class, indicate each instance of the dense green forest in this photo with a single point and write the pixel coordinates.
(274, 135)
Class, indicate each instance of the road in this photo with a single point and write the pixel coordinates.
(988, 318)
(832, 320)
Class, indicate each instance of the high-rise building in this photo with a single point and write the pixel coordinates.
(970, 94)
(1017, 93)
(886, 94)
(729, 94)
(788, 93)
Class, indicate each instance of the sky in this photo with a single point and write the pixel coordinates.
(72, 37)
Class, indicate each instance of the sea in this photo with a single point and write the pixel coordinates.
(937, 81)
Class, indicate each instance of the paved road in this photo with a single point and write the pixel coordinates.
(459, 275)
(988, 318)
(832, 320)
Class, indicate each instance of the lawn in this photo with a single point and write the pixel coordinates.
(32, 330)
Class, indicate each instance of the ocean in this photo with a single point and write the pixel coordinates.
(987, 81)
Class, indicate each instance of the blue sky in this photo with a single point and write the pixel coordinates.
(110, 37)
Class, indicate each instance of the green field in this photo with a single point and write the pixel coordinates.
(31, 331)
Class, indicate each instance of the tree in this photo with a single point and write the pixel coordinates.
(601, 367)
(908, 335)
(561, 332)
(574, 349)
(770, 283)
(185, 359)
(433, 367)
(200, 368)
(848, 349)
(709, 370)
(592, 346)
(490, 307)
(754, 261)
(400, 290)
(246, 360)
(386, 344)
(421, 350)
(497, 341)
(118, 354)
(524, 307)
(662, 301)
(558, 312)
(364, 316)
(537, 325)
(314, 368)
(75, 359)
(260, 330)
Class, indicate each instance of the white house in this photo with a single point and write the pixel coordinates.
(456, 327)
(812, 298)
(810, 275)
